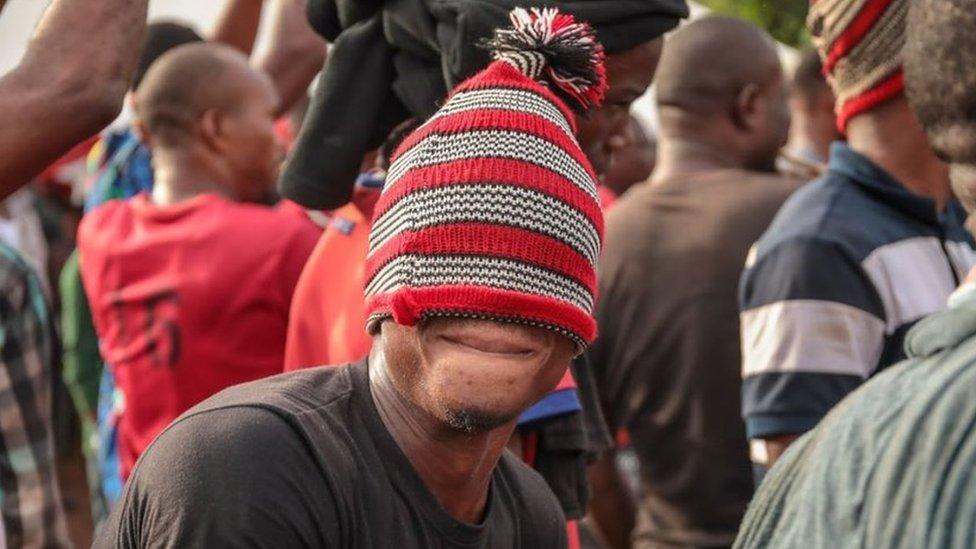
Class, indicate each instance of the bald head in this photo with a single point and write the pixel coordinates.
(189, 81)
(720, 88)
(209, 119)
(707, 62)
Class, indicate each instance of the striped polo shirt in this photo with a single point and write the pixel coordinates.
(848, 265)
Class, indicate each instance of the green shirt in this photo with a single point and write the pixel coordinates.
(894, 464)
(83, 366)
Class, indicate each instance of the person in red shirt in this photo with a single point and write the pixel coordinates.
(332, 332)
(328, 311)
(190, 287)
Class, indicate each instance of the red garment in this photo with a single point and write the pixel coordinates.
(328, 313)
(187, 300)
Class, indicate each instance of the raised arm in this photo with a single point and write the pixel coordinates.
(237, 25)
(69, 85)
(296, 53)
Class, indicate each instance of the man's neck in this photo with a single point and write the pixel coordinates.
(811, 136)
(456, 467)
(679, 156)
(181, 175)
(892, 138)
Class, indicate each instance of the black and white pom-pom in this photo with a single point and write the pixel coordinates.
(547, 45)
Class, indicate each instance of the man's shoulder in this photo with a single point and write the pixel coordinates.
(738, 189)
(106, 215)
(249, 452)
(287, 394)
(833, 210)
(772, 185)
(828, 198)
(255, 419)
(761, 194)
(266, 216)
(270, 229)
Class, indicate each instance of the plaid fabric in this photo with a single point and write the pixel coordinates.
(30, 502)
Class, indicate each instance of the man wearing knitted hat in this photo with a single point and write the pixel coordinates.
(892, 466)
(564, 430)
(480, 288)
(856, 258)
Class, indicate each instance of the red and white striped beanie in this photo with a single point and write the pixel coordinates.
(490, 208)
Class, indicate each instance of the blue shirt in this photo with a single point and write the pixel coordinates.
(848, 265)
(127, 170)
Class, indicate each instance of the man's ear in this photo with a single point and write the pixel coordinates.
(213, 129)
(745, 108)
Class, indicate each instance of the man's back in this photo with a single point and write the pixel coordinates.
(851, 262)
(669, 349)
(306, 460)
(187, 300)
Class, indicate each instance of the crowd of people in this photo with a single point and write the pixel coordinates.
(415, 275)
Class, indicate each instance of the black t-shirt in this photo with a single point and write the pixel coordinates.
(303, 460)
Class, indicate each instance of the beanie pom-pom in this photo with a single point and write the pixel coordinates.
(554, 47)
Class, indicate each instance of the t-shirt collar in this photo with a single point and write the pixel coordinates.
(400, 468)
(852, 165)
(144, 206)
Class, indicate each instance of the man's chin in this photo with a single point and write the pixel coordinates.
(470, 421)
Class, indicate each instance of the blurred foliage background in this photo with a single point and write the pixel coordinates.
(784, 19)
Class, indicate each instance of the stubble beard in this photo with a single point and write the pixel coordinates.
(473, 421)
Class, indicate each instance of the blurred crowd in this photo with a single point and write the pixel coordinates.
(751, 323)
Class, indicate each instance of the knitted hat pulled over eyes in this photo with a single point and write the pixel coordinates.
(860, 43)
(490, 208)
